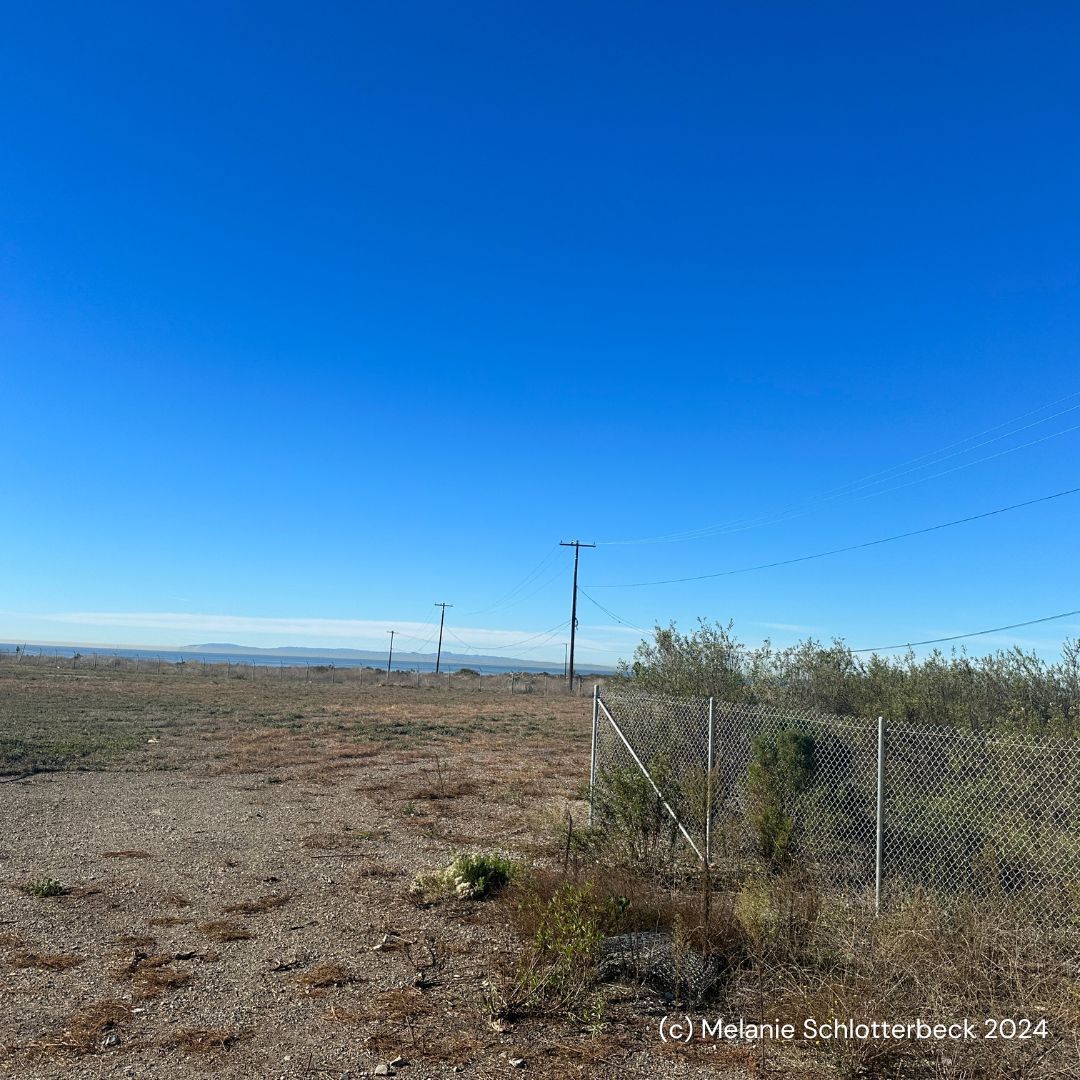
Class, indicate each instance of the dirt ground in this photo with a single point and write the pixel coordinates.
(235, 858)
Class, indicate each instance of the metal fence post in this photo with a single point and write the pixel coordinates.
(879, 840)
(708, 789)
(592, 752)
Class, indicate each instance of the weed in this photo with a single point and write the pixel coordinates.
(472, 875)
(43, 886)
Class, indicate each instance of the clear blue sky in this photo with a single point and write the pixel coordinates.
(313, 315)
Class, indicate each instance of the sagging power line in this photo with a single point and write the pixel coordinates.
(853, 487)
(840, 550)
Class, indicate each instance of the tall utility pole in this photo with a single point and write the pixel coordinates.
(564, 659)
(577, 545)
(390, 655)
(442, 619)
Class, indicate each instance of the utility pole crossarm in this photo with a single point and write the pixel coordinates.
(577, 545)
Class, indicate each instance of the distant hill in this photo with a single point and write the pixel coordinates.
(300, 652)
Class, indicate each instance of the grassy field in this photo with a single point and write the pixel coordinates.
(214, 876)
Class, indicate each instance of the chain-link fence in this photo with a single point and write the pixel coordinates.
(877, 812)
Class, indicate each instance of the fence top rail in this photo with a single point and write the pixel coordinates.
(1049, 743)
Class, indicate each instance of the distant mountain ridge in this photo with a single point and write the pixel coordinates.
(300, 652)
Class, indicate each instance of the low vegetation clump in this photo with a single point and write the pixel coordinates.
(471, 876)
(43, 886)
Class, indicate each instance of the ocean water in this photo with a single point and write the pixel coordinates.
(175, 656)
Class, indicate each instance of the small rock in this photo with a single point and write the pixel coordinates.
(110, 1041)
(518, 1063)
(397, 1063)
(383, 1070)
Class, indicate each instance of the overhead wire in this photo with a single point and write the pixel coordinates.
(974, 633)
(611, 614)
(852, 487)
(513, 644)
(525, 581)
(840, 550)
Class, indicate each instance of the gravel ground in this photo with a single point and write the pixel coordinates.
(311, 832)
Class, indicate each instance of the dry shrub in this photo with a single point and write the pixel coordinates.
(224, 930)
(176, 900)
(204, 1040)
(935, 963)
(131, 854)
(268, 902)
(10, 941)
(85, 1031)
(169, 920)
(44, 961)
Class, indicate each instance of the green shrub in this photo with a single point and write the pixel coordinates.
(781, 770)
(631, 814)
(472, 875)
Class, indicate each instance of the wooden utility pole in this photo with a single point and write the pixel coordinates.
(390, 656)
(442, 619)
(577, 545)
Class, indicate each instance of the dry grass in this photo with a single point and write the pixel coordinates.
(85, 1032)
(151, 975)
(224, 930)
(326, 976)
(132, 854)
(133, 942)
(204, 1040)
(176, 900)
(169, 920)
(268, 902)
(44, 961)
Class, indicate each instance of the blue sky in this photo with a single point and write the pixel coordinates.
(312, 316)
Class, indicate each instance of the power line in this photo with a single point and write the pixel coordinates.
(528, 579)
(799, 509)
(514, 644)
(975, 633)
(611, 614)
(840, 550)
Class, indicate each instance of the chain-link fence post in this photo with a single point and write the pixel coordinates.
(592, 752)
(880, 835)
(709, 788)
